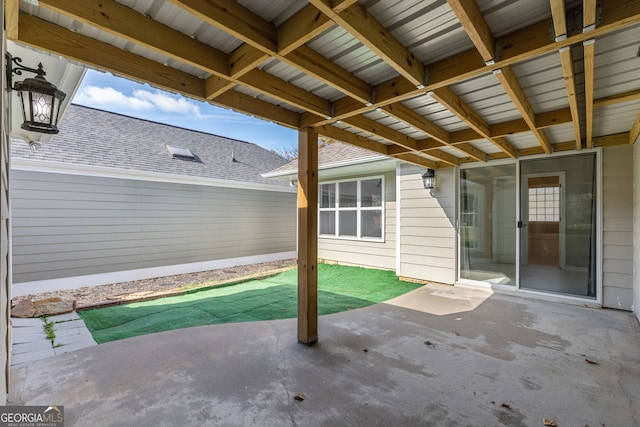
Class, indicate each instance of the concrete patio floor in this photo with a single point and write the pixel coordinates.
(440, 355)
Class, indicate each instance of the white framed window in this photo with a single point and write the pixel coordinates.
(352, 209)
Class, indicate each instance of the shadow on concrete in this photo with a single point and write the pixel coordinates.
(436, 356)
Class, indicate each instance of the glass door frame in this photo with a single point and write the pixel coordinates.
(517, 288)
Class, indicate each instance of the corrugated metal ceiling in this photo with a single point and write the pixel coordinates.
(353, 79)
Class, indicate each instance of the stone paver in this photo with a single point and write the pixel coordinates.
(30, 342)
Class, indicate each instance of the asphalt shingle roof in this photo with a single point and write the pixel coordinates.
(100, 138)
(333, 155)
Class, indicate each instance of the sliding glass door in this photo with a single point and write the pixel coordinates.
(531, 225)
(558, 225)
(487, 224)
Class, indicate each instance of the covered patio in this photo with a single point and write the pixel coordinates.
(438, 356)
(432, 83)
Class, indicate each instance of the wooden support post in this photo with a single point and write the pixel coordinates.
(307, 236)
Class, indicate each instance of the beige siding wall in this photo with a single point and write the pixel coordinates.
(5, 280)
(71, 225)
(363, 253)
(617, 219)
(427, 242)
(636, 230)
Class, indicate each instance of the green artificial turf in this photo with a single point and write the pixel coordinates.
(340, 288)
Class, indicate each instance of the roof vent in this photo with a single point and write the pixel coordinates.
(181, 153)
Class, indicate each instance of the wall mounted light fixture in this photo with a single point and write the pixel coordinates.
(429, 179)
(40, 100)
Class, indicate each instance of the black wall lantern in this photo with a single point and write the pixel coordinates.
(40, 99)
(429, 179)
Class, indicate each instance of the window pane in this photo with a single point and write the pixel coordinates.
(348, 194)
(328, 223)
(371, 193)
(348, 223)
(327, 195)
(371, 224)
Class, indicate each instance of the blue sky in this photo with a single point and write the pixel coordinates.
(107, 92)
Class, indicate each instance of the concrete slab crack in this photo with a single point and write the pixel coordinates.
(283, 377)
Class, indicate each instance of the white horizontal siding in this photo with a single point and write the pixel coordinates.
(617, 227)
(427, 229)
(636, 230)
(72, 225)
(366, 253)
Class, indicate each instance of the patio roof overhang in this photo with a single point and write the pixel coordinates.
(428, 82)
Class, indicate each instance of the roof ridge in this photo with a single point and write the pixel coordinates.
(162, 124)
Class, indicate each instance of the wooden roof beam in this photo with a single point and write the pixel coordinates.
(124, 22)
(475, 25)
(413, 119)
(353, 139)
(301, 28)
(364, 27)
(634, 133)
(263, 38)
(559, 16)
(570, 82)
(510, 83)
(234, 19)
(588, 24)
(632, 95)
(53, 38)
(457, 106)
(378, 129)
(11, 13)
(518, 46)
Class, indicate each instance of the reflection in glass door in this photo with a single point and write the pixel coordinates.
(534, 229)
(487, 224)
(558, 225)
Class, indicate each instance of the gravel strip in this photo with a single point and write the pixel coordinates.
(138, 289)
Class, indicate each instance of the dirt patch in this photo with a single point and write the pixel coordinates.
(98, 295)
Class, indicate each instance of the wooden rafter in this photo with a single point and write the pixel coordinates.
(264, 38)
(11, 12)
(570, 82)
(357, 21)
(457, 106)
(133, 26)
(405, 114)
(44, 35)
(287, 43)
(588, 24)
(632, 95)
(378, 129)
(510, 83)
(634, 133)
(589, 71)
(518, 46)
(301, 28)
(559, 15)
(474, 24)
(377, 147)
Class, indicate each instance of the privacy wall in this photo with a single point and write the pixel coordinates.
(69, 225)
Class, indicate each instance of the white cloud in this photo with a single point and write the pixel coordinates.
(142, 100)
(167, 103)
(109, 97)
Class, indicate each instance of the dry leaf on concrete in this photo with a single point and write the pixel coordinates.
(549, 423)
(299, 397)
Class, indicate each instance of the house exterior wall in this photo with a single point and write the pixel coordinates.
(73, 225)
(636, 231)
(365, 253)
(5, 278)
(617, 221)
(427, 224)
